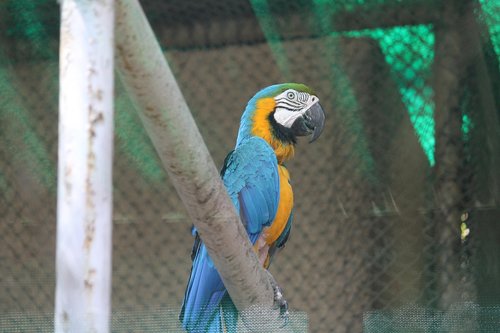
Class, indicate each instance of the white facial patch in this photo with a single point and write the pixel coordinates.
(292, 104)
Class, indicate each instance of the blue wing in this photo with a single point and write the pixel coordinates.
(250, 174)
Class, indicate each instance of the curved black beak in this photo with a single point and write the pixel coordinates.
(314, 119)
(311, 122)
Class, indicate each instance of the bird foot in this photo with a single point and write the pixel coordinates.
(279, 301)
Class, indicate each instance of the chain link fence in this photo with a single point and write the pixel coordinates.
(397, 204)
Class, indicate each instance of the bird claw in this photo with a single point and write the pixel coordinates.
(280, 301)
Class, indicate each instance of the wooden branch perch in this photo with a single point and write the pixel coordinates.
(169, 123)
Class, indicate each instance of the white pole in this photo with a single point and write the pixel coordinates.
(83, 254)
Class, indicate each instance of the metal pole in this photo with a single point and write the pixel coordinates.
(84, 206)
(170, 125)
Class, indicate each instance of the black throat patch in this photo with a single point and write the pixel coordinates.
(280, 132)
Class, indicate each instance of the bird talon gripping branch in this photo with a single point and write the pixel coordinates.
(279, 299)
(258, 184)
(281, 303)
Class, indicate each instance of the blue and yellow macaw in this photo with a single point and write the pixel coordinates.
(258, 184)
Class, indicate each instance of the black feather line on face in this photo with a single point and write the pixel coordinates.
(281, 132)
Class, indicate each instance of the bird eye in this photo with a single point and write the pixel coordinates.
(290, 95)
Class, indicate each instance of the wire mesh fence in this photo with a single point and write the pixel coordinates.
(396, 206)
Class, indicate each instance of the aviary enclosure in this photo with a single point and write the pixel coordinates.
(397, 216)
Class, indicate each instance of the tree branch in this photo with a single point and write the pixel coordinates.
(169, 123)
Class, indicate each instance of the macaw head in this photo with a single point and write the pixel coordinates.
(279, 114)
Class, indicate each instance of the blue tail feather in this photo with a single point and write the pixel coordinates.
(205, 294)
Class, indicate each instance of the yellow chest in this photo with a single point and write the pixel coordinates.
(272, 233)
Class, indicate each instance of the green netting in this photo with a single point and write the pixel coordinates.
(273, 37)
(491, 12)
(461, 317)
(409, 51)
(26, 145)
(151, 321)
(134, 142)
